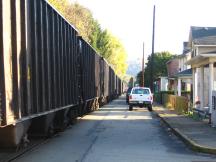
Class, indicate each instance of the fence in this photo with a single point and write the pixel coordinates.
(177, 103)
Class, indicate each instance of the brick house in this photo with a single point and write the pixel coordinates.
(172, 70)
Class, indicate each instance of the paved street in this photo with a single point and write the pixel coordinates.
(114, 134)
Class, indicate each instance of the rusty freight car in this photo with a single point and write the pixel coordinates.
(49, 75)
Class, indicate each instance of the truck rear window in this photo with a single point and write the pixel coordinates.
(140, 91)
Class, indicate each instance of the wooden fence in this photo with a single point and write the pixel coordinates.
(177, 103)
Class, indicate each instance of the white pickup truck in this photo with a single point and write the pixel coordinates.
(142, 97)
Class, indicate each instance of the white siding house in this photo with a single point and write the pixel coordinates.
(184, 76)
(179, 73)
(202, 41)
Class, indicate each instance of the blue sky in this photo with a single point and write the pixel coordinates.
(131, 21)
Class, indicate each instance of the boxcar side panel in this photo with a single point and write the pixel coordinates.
(7, 52)
(97, 76)
(2, 80)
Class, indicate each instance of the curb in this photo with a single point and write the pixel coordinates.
(189, 142)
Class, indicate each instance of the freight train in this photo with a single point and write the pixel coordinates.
(49, 75)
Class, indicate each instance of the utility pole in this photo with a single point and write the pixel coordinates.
(143, 64)
(152, 55)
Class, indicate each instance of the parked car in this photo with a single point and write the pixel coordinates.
(142, 97)
(127, 94)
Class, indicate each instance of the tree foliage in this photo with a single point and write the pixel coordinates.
(106, 44)
(60, 5)
(111, 48)
(82, 19)
(159, 67)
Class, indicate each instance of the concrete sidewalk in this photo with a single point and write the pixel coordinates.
(198, 135)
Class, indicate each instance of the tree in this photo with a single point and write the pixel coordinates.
(82, 19)
(95, 36)
(77, 15)
(131, 82)
(159, 64)
(60, 5)
(111, 48)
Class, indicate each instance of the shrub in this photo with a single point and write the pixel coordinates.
(177, 103)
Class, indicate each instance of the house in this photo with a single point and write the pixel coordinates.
(180, 74)
(172, 70)
(202, 42)
(161, 84)
(184, 76)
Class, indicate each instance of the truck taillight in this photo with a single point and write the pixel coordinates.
(130, 97)
(150, 98)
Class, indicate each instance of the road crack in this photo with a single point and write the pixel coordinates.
(88, 149)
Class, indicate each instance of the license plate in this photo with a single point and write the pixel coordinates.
(140, 102)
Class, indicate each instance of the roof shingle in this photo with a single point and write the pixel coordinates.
(203, 35)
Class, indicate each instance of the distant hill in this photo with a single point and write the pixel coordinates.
(134, 67)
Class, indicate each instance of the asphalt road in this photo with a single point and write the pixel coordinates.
(114, 134)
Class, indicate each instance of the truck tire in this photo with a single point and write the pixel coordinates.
(130, 108)
(149, 107)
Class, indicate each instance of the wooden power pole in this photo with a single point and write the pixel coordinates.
(152, 55)
(143, 64)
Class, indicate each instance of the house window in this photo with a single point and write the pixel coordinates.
(193, 53)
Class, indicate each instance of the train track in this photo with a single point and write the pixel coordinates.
(9, 155)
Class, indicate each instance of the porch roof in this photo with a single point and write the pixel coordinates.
(185, 74)
(202, 59)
